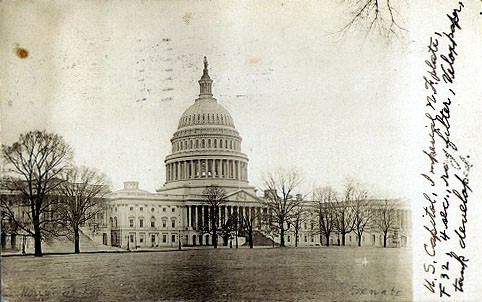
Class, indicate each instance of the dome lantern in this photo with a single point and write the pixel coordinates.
(205, 83)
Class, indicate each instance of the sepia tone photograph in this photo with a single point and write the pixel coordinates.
(239, 151)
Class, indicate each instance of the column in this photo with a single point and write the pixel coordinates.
(199, 217)
(198, 172)
(188, 216)
(190, 169)
(228, 165)
(238, 172)
(193, 217)
(212, 168)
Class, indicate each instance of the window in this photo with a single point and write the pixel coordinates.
(131, 209)
(163, 209)
(306, 238)
(131, 223)
(141, 209)
(164, 238)
(288, 238)
(132, 238)
(141, 223)
(153, 223)
(141, 238)
(312, 239)
(173, 238)
(152, 209)
(164, 223)
(173, 210)
(173, 223)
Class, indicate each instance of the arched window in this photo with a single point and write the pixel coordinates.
(115, 222)
(220, 143)
(202, 143)
(215, 143)
(209, 143)
(197, 143)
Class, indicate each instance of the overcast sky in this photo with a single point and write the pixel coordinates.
(114, 77)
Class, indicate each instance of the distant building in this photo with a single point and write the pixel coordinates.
(399, 233)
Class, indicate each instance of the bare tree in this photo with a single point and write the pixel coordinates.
(345, 214)
(297, 218)
(215, 197)
(326, 211)
(34, 166)
(279, 187)
(386, 218)
(363, 212)
(83, 191)
(249, 224)
(377, 16)
(229, 228)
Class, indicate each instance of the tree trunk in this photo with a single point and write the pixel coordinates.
(215, 236)
(282, 238)
(359, 240)
(236, 238)
(38, 241)
(296, 239)
(250, 238)
(385, 240)
(343, 239)
(76, 240)
(327, 236)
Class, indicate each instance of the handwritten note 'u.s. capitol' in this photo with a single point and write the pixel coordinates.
(445, 199)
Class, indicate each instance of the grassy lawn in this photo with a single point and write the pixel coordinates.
(303, 274)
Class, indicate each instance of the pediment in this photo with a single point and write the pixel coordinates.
(242, 196)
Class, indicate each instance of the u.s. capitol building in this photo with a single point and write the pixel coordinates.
(206, 151)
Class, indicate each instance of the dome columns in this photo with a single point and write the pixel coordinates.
(207, 168)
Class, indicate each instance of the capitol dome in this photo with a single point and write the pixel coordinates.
(206, 145)
(205, 111)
